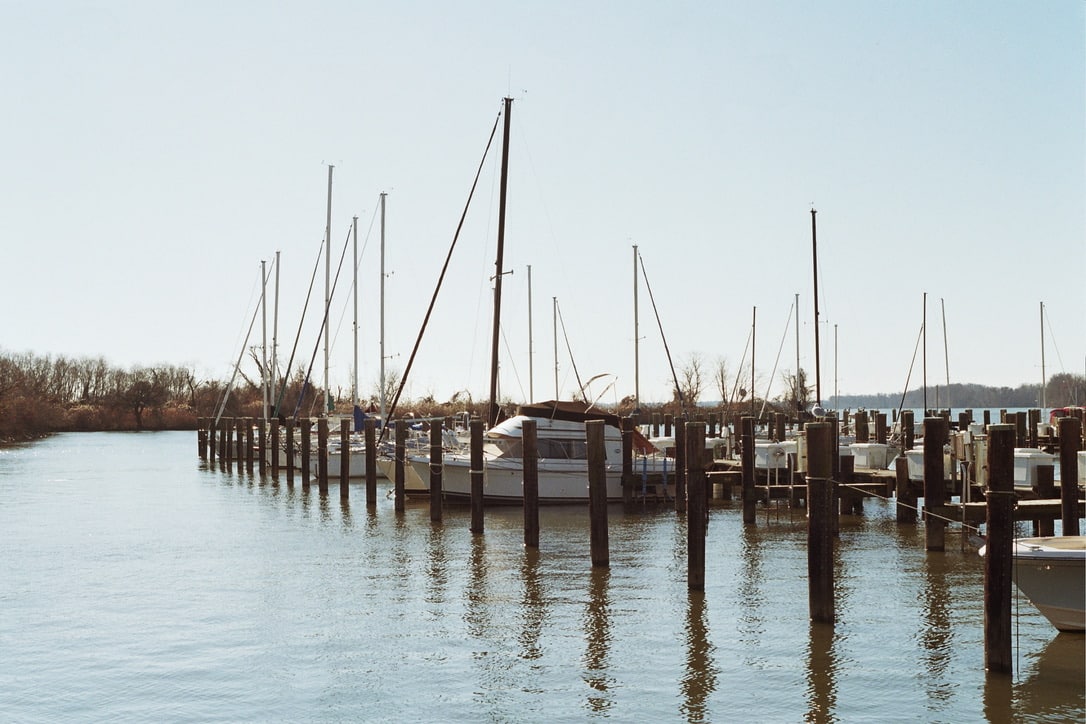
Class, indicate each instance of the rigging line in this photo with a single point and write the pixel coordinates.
(739, 375)
(509, 352)
(916, 508)
(441, 278)
(347, 300)
(572, 361)
(674, 377)
(901, 406)
(324, 325)
(787, 324)
(298, 335)
(226, 394)
(1052, 339)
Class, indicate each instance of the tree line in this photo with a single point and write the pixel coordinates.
(42, 394)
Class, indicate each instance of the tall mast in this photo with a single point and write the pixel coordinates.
(554, 314)
(1044, 380)
(814, 254)
(327, 286)
(531, 373)
(275, 334)
(382, 373)
(753, 329)
(354, 253)
(797, 390)
(492, 413)
(946, 352)
(924, 353)
(637, 357)
(264, 339)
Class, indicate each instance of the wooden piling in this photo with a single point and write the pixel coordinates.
(435, 470)
(241, 456)
(262, 446)
(201, 437)
(597, 493)
(935, 436)
(475, 427)
(228, 442)
(1045, 489)
(908, 432)
(680, 466)
(1070, 433)
(697, 517)
(369, 429)
(322, 455)
(998, 559)
(289, 432)
(880, 428)
(249, 445)
(399, 495)
(850, 502)
(821, 447)
(531, 483)
(906, 500)
(307, 426)
(212, 446)
(746, 441)
(863, 432)
(667, 424)
(344, 458)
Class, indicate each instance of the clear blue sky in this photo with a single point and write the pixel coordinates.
(154, 152)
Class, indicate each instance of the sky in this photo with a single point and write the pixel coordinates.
(154, 153)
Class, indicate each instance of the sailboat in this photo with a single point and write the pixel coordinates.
(560, 426)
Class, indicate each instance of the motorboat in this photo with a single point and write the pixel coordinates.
(562, 457)
(1051, 573)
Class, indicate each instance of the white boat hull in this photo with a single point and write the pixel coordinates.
(1051, 573)
(560, 481)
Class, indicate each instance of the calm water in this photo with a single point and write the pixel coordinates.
(137, 584)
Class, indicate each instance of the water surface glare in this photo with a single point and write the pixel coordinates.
(139, 584)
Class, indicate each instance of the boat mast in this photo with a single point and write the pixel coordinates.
(797, 390)
(554, 315)
(354, 252)
(382, 372)
(327, 286)
(946, 353)
(814, 254)
(492, 412)
(264, 338)
(531, 372)
(637, 357)
(924, 353)
(1044, 380)
(753, 330)
(275, 334)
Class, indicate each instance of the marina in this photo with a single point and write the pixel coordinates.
(182, 591)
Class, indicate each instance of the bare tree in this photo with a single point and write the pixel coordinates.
(722, 380)
(690, 380)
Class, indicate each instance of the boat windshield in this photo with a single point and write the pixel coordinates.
(567, 449)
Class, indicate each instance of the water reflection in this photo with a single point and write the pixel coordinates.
(475, 595)
(1053, 688)
(533, 612)
(437, 574)
(700, 679)
(597, 628)
(821, 674)
(936, 636)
